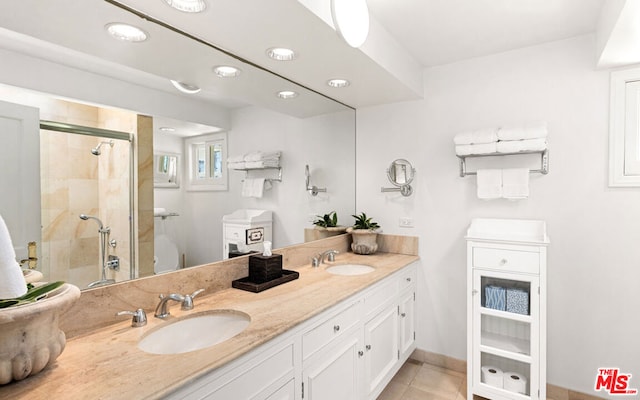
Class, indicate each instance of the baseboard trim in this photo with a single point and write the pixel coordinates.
(553, 392)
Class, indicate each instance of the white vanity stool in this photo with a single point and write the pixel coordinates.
(506, 309)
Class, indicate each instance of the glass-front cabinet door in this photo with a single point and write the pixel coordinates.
(505, 333)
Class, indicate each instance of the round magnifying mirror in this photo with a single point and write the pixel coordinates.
(400, 172)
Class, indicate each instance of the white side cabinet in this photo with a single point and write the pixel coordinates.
(348, 352)
(506, 309)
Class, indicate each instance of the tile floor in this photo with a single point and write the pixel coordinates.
(418, 381)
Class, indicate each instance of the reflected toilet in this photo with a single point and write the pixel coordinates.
(166, 255)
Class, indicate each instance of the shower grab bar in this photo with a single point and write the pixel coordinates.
(544, 161)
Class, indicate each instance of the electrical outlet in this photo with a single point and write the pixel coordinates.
(405, 222)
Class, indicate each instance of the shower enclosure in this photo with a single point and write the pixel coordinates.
(86, 174)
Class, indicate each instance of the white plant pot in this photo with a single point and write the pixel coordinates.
(365, 241)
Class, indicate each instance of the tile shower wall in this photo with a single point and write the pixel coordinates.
(82, 184)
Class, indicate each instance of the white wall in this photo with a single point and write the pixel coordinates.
(325, 142)
(594, 255)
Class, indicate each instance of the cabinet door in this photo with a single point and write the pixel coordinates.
(333, 375)
(286, 392)
(381, 347)
(505, 332)
(407, 324)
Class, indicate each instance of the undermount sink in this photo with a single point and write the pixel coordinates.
(195, 332)
(350, 269)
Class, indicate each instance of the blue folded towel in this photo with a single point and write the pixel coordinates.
(495, 297)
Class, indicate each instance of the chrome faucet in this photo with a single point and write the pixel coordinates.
(139, 317)
(186, 300)
(161, 309)
(187, 303)
(330, 256)
(319, 258)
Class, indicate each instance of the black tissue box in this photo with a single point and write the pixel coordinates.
(265, 268)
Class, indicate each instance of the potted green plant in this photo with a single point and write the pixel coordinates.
(327, 225)
(364, 233)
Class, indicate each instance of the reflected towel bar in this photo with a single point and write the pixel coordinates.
(544, 161)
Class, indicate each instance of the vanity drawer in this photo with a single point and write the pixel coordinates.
(329, 330)
(235, 233)
(408, 277)
(380, 297)
(508, 260)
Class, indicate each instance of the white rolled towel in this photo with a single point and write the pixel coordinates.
(261, 156)
(237, 165)
(529, 131)
(516, 146)
(469, 149)
(262, 164)
(488, 135)
(12, 283)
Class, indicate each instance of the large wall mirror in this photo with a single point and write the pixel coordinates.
(82, 77)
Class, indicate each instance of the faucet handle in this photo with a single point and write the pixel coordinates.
(187, 303)
(315, 260)
(139, 317)
(331, 257)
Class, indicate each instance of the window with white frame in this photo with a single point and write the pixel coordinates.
(206, 167)
(624, 129)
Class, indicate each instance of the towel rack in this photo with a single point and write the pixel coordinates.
(246, 173)
(544, 161)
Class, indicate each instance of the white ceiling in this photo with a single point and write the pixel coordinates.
(439, 32)
(406, 36)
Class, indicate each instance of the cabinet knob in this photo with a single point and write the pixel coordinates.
(360, 353)
(336, 328)
(503, 261)
(408, 279)
(368, 347)
(403, 315)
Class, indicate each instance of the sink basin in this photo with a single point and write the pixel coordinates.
(195, 332)
(350, 269)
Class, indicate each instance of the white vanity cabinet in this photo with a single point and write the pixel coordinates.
(506, 309)
(348, 352)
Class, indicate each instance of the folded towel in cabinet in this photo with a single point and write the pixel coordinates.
(529, 131)
(470, 149)
(516, 146)
(515, 183)
(489, 183)
(480, 136)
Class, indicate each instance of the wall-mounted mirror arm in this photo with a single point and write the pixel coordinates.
(313, 190)
(400, 174)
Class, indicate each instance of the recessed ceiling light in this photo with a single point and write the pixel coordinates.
(351, 20)
(190, 6)
(281, 54)
(167, 129)
(287, 94)
(126, 32)
(185, 87)
(338, 83)
(226, 71)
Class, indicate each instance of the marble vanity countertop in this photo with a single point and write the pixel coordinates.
(107, 364)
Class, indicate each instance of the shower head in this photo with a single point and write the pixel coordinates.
(86, 217)
(96, 150)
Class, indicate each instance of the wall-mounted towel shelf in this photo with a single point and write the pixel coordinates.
(544, 161)
(247, 170)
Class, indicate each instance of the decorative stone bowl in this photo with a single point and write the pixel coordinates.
(30, 338)
(365, 241)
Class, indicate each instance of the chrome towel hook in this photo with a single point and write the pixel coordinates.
(313, 190)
